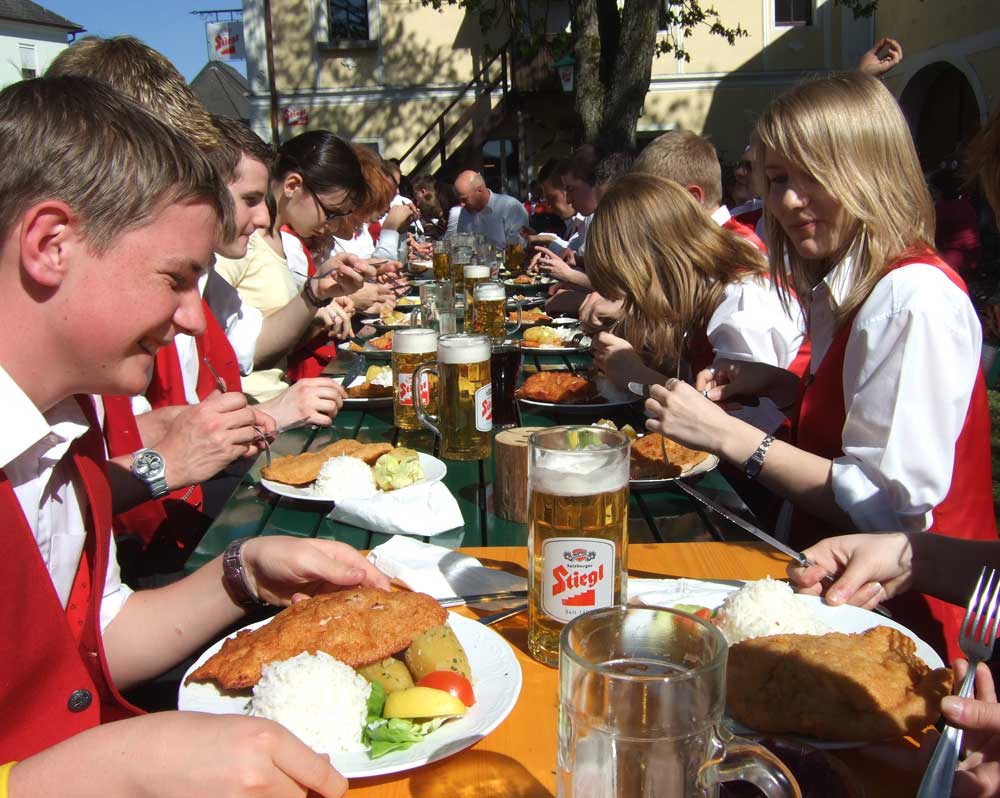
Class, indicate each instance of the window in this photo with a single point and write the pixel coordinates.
(29, 61)
(349, 20)
(793, 12)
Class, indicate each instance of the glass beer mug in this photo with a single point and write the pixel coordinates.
(465, 396)
(641, 698)
(410, 350)
(577, 529)
(489, 312)
(441, 260)
(474, 275)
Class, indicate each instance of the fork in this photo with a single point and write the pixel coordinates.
(976, 639)
(267, 446)
(219, 382)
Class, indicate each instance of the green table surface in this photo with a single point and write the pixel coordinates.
(662, 515)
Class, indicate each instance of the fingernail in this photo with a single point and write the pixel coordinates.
(835, 597)
(953, 706)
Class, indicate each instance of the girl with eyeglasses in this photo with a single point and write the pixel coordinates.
(315, 180)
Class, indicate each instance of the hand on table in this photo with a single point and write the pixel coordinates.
(168, 754)
(206, 437)
(868, 569)
(317, 398)
(284, 569)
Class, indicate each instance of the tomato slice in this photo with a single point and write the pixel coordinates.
(704, 613)
(450, 682)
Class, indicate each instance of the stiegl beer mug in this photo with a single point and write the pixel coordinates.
(641, 698)
(489, 312)
(410, 350)
(465, 396)
(577, 529)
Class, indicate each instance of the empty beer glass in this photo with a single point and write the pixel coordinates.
(465, 396)
(437, 306)
(641, 697)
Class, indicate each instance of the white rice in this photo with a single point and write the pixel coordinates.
(343, 478)
(317, 698)
(765, 607)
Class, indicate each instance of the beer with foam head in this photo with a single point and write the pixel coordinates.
(489, 311)
(474, 275)
(465, 397)
(410, 350)
(577, 529)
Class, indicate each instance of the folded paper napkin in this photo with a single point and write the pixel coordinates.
(438, 571)
(414, 510)
(667, 592)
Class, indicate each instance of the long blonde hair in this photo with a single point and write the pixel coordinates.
(848, 133)
(652, 245)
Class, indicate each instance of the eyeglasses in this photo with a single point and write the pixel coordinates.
(329, 215)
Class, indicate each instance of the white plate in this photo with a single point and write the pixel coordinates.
(710, 463)
(496, 679)
(434, 471)
(370, 352)
(378, 324)
(579, 407)
(564, 321)
(358, 402)
(840, 619)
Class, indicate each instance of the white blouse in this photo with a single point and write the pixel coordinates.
(909, 369)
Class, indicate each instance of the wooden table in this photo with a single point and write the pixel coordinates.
(664, 515)
(518, 759)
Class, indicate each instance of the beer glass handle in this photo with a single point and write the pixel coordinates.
(745, 761)
(429, 420)
(520, 321)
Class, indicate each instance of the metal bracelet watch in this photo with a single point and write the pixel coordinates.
(149, 467)
(234, 576)
(755, 462)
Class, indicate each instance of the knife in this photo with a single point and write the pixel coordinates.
(482, 598)
(353, 372)
(746, 526)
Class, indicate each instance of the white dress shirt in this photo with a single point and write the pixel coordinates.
(33, 454)
(500, 221)
(909, 369)
(751, 324)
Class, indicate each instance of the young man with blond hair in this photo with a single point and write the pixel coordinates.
(107, 219)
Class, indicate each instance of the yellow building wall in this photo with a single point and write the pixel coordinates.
(921, 26)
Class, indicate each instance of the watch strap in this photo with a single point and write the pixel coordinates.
(314, 300)
(755, 462)
(234, 576)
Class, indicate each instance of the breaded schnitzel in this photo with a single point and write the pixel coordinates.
(301, 469)
(560, 387)
(358, 627)
(648, 462)
(864, 687)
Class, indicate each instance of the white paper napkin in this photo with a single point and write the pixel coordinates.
(679, 591)
(415, 510)
(438, 571)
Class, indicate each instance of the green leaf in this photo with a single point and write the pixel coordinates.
(376, 700)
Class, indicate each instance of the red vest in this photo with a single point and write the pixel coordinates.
(176, 518)
(166, 388)
(967, 510)
(310, 359)
(744, 231)
(55, 657)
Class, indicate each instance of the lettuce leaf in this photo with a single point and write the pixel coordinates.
(396, 734)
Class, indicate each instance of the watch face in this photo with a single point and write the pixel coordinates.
(147, 464)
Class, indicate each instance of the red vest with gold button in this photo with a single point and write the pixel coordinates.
(55, 657)
(967, 510)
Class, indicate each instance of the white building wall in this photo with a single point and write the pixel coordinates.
(47, 43)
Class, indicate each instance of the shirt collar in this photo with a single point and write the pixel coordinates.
(25, 425)
(490, 203)
(837, 282)
(721, 215)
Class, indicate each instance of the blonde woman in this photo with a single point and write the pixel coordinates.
(691, 291)
(893, 426)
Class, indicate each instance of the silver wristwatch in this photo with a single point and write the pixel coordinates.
(148, 466)
(755, 462)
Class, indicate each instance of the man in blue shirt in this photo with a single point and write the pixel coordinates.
(498, 217)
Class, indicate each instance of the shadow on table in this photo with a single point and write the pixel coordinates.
(471, 775)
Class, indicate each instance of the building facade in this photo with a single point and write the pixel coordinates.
(30, 38)
(403, 76)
